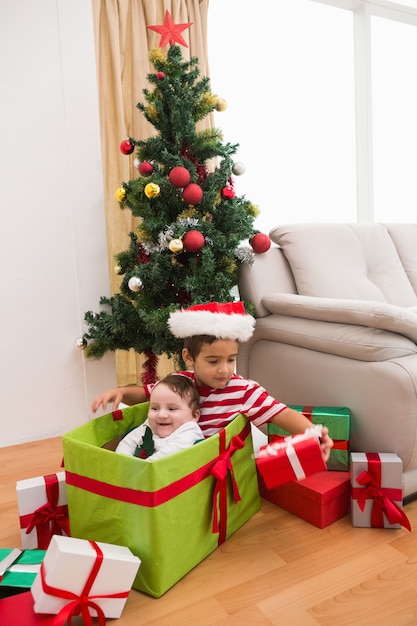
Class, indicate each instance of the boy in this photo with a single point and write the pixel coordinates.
(211, 334)
(171, 425)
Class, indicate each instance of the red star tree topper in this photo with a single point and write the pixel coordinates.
(170, 32)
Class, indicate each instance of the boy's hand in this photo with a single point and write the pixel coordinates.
(115, 396)
(326, 442)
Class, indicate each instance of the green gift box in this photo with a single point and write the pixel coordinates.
(172, 512)
(21, 574)
(337, 420)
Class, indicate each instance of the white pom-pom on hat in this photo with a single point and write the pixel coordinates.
(225, 320)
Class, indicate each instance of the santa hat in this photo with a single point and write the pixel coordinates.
(226, 320)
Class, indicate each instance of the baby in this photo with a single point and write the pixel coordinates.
(171, 424)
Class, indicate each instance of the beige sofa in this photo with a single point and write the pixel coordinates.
(336, 309)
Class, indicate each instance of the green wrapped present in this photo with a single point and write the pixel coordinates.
(172, 512)
(337, 421)
(21, 574)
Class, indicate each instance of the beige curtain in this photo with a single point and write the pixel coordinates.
(122, 42)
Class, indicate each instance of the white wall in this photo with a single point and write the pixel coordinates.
(53, 259)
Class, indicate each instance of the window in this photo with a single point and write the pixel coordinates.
(394, 114)
(321, 100)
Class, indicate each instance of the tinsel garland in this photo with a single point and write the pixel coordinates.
(245, 254)
(200, 168)
(149, 374)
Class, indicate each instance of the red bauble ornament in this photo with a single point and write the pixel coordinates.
(145, 168)
(126, 147)
(160, 75)
(228, 192)
(260, 243)
(179, 176)
(193, 241)
(192, 193)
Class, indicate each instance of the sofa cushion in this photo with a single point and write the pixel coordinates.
(346, 340)
(380, 315)
(354, 261)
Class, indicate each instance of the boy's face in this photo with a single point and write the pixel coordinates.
(215, 364)
(167, 411)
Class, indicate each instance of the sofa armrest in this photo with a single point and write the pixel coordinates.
(373, 314)
(346, 340)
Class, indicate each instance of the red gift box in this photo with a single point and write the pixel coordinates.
(295, 458)
(18, 609)
(320, 499)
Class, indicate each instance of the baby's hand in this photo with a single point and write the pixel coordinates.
(115, 396)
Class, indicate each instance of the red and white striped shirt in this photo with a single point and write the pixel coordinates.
(241, 395)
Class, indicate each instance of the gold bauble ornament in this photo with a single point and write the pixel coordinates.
(120, 194)
(221, 104)
(117, 269)
(152, 190)
(175, 245)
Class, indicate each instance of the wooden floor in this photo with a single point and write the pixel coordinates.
(277, 569)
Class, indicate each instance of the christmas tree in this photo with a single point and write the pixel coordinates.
(191, 238)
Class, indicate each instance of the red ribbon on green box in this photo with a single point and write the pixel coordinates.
(383, 498)
(336, 419)
(339, 444)
(219, 468)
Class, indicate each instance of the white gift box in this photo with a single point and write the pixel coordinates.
(77, 568)
(376, 495)
(33, 497)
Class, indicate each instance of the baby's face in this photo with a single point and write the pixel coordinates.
(167, 411)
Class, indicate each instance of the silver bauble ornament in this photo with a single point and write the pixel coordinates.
(81, 343)
(238, 168)
(135, 283)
